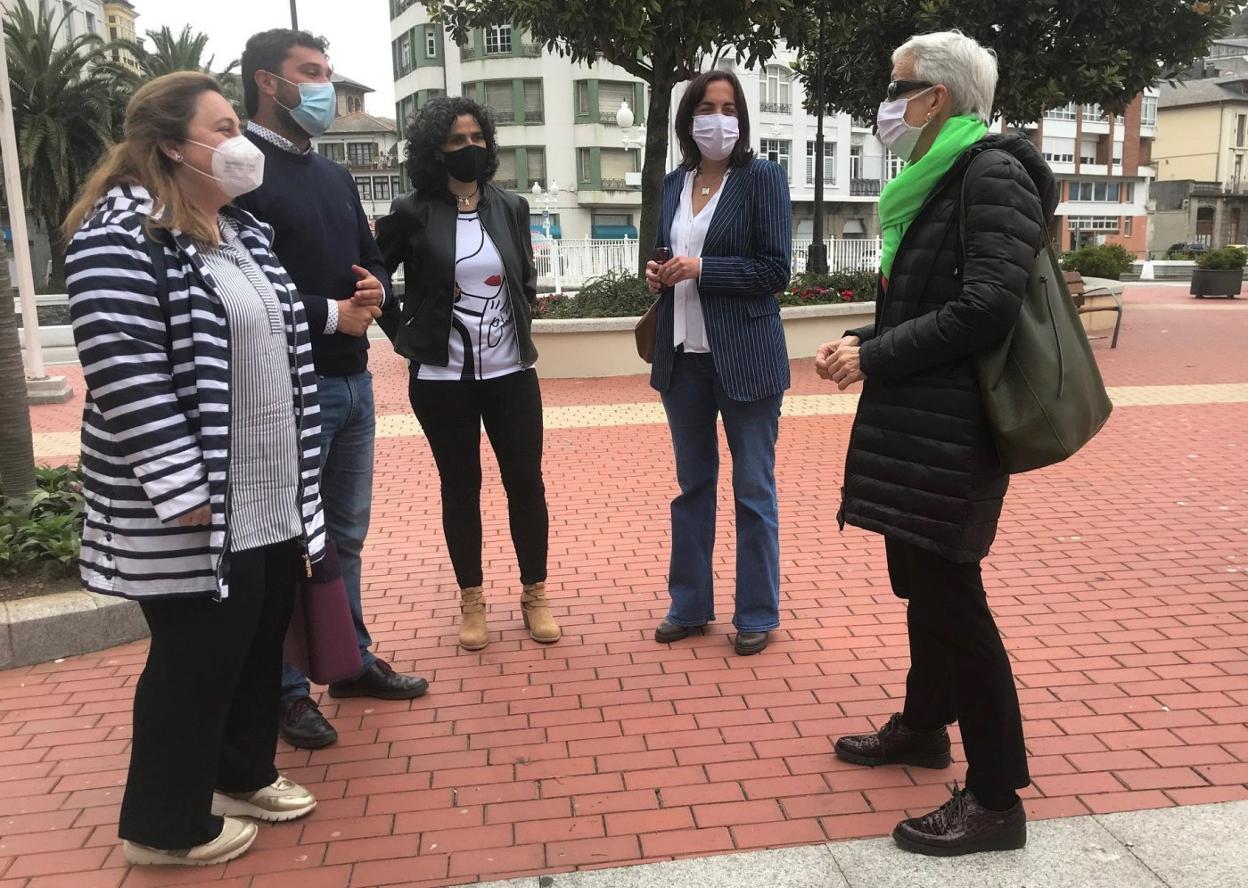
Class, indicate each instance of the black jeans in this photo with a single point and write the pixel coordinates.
(959, 670)
(206, 705)
(451, 414)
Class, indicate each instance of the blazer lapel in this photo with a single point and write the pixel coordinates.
(671, 201)
(727, 210)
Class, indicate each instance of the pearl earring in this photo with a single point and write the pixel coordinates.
(178, 157)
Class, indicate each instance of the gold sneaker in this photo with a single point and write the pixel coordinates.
(281, 801)
(236, 837)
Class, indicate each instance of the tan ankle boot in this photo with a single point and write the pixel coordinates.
(473, 633)
(537, 619)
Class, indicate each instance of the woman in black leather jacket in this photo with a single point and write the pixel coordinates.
(464, 326)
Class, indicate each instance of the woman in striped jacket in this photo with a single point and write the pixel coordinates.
(200, 460)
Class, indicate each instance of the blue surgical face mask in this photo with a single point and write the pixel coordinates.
(317, 105)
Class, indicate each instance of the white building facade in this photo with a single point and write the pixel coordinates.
(78, 16)
(557, 125)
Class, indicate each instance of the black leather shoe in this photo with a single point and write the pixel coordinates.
(669, 632)
(963, 826)
(302, 725)
(747, 643)
(896, 744)
(381, 682)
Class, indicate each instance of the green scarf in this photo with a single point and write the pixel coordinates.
(904, 196)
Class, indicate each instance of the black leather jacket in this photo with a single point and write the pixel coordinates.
(419, 234)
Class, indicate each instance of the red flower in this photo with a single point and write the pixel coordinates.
(847, 295)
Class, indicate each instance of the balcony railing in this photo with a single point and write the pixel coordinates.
(865, 187)
(776, 108)
(502, 115)
(511, 184)
(618, 185)
(862, 123)
(607, 118)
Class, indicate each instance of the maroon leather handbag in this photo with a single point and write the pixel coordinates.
(320, 641)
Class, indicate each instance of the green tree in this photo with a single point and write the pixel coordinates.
(1049, 52)
(661, 42)
(17, 454)
(185, 52)
(64, 100)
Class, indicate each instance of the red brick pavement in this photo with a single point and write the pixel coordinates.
(1118, 580)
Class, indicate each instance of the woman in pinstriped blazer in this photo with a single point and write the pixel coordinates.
(720, 351)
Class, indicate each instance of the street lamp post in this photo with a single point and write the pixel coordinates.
(632, 138)
(817, 256)
(546, 200)
(294, 14)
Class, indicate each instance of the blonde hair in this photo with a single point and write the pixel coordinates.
(160, 111)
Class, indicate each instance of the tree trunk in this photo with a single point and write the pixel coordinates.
(17, 452)
(654, 163)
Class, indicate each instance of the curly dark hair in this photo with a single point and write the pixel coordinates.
(428, 132)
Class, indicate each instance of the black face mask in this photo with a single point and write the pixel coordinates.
(467, 164)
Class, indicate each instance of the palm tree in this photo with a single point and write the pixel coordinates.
(64, 113)
(17, 454)
(185, 53)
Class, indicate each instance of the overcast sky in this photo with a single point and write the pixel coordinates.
(358, 32)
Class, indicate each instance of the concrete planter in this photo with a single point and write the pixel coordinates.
(593, 347)
(1217, 282)
(65, 624)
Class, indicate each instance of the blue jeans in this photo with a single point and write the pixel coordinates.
(348, 426)
(692, 402)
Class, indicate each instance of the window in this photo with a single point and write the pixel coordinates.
(1087, 152)
(537, 166)
(381, 188)
(501, 98)
(1113, 192)
(1148, 111)
(67, 10)
(431, 42)
(1065, 112)
(855, 162)
(1098, 191)
(1241, 120)
(1126, 226)
(90, 23)
(533, 108)
(505, 177)
(774, 87)
(610, 95)
(829, 163)
(396, 185)
(611, 219)
(1093, 113)
(333, 150)
(364, 185)
(617, 163)
(777, 150)
(361, 153)
(498, 40)
(405, 54)
(582, 98)
(1093, 223)
(584, 166)
(1131, 192)
(895, 165)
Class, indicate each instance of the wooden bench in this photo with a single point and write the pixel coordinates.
(1079, 294)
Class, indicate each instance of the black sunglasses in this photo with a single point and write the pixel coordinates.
(901, 87)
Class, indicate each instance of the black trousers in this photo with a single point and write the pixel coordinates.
(206, 705)
(959, 670)
(451, 414)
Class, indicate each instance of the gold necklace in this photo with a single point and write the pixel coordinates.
(705, 189)
(465, 201)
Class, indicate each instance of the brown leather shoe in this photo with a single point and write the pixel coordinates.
(896, 744)
(748, 643)
(667, 632)
(963, 826)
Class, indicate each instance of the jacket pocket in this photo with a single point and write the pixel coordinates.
(762, 308)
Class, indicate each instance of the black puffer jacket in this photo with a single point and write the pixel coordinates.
(922, 466)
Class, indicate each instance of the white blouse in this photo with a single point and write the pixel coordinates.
(688, 236)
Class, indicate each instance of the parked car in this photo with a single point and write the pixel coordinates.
(1188, 251)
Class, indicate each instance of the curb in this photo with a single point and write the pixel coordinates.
(65, 624)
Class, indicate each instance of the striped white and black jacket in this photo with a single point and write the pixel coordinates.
(156, 425)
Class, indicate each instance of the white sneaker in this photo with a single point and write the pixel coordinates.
(236, 837)
(283, 800)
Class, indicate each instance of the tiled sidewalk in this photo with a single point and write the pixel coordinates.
(1118, 578)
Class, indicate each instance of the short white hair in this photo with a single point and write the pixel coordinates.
(958, 63)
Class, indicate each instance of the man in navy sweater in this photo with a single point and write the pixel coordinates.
(322, 238)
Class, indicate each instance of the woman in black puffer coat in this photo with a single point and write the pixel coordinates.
(922, 468)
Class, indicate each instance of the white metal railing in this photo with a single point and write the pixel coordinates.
(569, 263)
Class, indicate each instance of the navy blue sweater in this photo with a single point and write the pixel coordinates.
(320, 231)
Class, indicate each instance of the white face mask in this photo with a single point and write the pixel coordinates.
(715, 134)
(898, 136)
(237, 165)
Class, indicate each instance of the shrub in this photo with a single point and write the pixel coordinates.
(618, 294)
(42, 536)
(1223, 258)
(1100, 260)
(809, 288)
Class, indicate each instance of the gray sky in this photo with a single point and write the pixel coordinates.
(358, 32)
